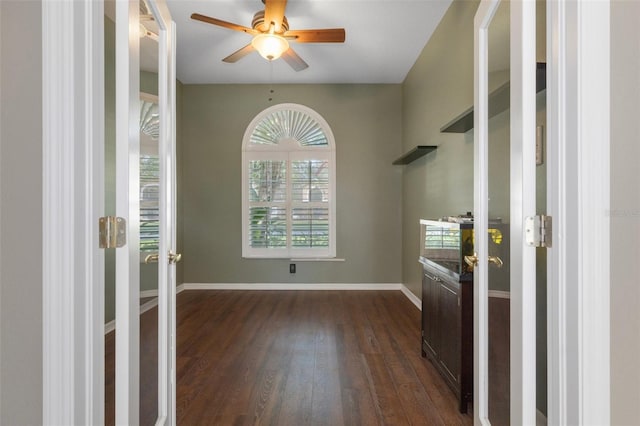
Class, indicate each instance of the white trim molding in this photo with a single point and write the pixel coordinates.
(578, 201)
(148, 293)
(499, 294)
(412, 297)
(306, 286)
(111, 325)
(292, 135)
(292, 286)
(147, 306)
(73, 266)
(541, 419)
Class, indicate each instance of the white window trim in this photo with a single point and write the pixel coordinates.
(287, 151)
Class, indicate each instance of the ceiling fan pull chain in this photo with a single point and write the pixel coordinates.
(270, 81)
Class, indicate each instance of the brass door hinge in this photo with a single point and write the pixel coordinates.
(113, 232)
(538, 231)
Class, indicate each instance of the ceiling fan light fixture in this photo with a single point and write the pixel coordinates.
(270, 46)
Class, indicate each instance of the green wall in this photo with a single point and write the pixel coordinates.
(21, 192)
(366, 122)
(110, 161)
(438, 88)
(625, 212)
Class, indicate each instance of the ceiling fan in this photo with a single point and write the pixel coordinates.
(271, 35)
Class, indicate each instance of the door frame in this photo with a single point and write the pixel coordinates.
(578, 277)
(73, 296)
(73, 199)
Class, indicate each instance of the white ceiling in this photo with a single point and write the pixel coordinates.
(383, 40)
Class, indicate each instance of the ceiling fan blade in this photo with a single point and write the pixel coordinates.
(274, 12)
(329, 35)
(239, 54)
(294, 61)
(221, 23)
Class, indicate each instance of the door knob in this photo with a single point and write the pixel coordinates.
(472, 261)
(173, 258)
(496, 261)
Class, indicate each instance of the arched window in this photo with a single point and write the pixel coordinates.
(288, 185)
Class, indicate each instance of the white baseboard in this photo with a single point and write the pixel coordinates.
(541, 419)
(499, 294)
(292, 286)
(412, 297)
(306, 286)
(148, 293)
(148, 305)
(111, 325)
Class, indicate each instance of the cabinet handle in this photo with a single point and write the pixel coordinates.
(432, 278)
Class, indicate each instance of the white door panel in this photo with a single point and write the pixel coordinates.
(128, 67)
(504, 388)
(127, 207)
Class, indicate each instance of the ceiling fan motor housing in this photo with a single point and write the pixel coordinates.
(258, 23)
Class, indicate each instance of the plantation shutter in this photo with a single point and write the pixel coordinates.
(149, 177)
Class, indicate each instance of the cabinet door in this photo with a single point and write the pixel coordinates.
(449, 350)
(430, 312)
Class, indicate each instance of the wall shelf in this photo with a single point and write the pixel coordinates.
(498, 102)
(414, 154)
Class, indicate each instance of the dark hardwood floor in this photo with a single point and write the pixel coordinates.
(295, 358)
(499, 361)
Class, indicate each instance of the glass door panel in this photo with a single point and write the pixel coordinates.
(499, 219)
(149, 234)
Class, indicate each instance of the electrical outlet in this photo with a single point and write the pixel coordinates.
(292, 268)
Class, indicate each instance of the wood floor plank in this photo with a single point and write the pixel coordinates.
(357, 401)
(296, 358)
(443, 399)
(229, 363)
(387, 401)
(413, 397)
(326, 402)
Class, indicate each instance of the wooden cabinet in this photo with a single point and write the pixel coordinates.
(430, 335)
(447, 330)
(449, 301)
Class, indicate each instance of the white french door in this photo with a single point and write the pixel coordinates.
(129, 25)
(505, 138)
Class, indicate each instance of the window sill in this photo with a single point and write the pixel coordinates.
(316, 259)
